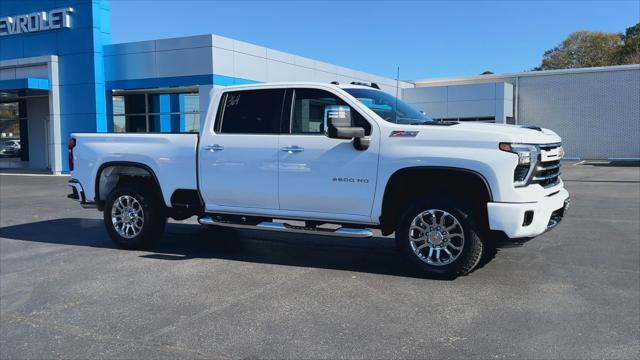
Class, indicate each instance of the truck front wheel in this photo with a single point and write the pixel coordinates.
(439, 237)
(134, 216)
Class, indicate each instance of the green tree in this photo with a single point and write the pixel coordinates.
(584, 49)
(630, 51)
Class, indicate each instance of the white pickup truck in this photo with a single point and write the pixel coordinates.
(343, 159)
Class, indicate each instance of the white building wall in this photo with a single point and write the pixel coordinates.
(213, 54)
(54, 121)
(504, 103)
(239, 59)
(596, 113)
(38, 128)
(463, 101)
(595, 110)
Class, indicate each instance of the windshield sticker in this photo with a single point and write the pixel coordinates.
(233, 100)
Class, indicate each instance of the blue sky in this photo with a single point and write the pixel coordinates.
(426, 39)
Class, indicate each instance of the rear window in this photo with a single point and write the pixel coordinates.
(251, 112)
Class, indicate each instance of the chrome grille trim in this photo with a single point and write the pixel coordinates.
(547, 173)
(549, 146)
(542, 178)
(552, 167)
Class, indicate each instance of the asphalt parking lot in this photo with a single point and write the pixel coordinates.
(66, 292)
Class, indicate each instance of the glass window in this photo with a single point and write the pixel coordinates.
(10, 138)
(191, 103)
(388, 107)
(135, 104)
(191, 123)
(158, 103)
(9, 110)
(118, 105)
(156, 112)
(119, 123)
(10, 144)
(136, 123)
(252, 112)
(308, 110)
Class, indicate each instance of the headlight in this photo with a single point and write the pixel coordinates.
(527, 161)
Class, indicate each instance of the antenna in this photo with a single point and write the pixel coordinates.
(397, 86)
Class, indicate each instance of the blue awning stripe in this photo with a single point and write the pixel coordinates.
(23, 84)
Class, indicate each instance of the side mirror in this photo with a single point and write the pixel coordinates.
(338, 123)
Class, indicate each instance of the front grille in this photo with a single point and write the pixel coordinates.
(547, 172)
(547, 147)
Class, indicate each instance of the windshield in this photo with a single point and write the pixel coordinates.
(384, 105)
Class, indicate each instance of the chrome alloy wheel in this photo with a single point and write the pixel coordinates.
(436, 237)
(127, 216)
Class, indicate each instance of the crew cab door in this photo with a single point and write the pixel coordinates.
(318, 174)
(238, 157)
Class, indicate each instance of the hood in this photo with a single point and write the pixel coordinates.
(509, 133)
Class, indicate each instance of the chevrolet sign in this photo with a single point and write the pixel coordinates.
(37, 21)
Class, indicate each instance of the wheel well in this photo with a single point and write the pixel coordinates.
(111, 174)
(406, 185)
(185, 203)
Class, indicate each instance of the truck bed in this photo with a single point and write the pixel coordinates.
(171, 157)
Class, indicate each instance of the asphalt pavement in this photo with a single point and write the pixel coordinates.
(67, 292)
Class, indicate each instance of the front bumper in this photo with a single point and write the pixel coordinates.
(525, 220)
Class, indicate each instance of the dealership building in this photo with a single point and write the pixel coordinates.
(60, 73)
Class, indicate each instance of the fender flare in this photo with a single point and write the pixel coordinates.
(387, 200)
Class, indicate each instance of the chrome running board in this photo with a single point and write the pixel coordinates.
(283, 227)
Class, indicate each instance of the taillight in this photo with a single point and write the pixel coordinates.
(71, 144)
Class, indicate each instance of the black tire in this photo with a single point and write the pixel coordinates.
(472, 248)
(153, 210)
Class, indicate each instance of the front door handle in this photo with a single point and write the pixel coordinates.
(214, 147)
(293, 149)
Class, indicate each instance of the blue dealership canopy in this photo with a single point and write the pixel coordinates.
(26, 83)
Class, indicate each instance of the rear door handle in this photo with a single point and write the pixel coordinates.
(293, 149)
(214, 147)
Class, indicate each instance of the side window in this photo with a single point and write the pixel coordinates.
(308, 110)
(307, 117)
(252, 112)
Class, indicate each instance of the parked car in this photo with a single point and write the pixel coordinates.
(349, 155)
(10, 148)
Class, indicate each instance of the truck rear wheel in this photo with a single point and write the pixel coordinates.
(439, 237)
(134, 216)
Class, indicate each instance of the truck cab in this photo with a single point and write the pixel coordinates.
(349, 155)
